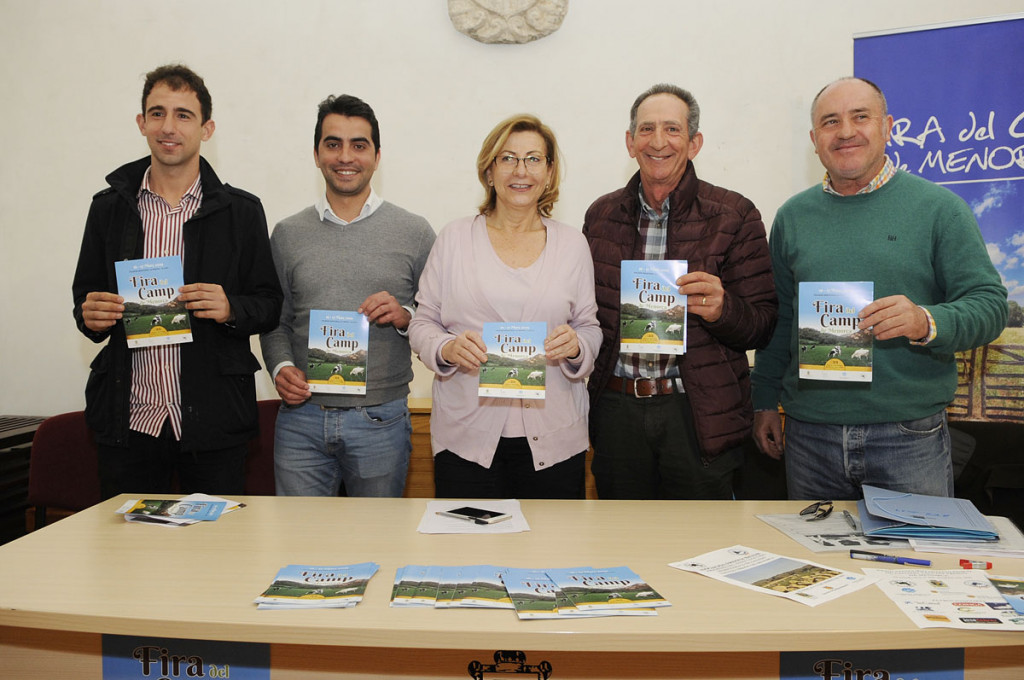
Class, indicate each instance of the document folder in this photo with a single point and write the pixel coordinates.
(896, 514)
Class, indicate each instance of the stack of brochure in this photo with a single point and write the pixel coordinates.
(533, 593)
(910, 515)
(581, 591)
(473, 586)
(300, 586)
(173, 512)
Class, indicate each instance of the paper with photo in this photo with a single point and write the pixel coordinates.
(953, 598)
(809, 583)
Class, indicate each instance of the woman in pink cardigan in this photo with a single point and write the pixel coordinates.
(510, 263)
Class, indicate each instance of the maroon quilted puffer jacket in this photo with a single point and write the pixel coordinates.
(717, 231)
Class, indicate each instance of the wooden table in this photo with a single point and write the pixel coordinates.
(93, 573)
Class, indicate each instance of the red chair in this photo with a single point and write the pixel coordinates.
(259, 466)
(62, 469)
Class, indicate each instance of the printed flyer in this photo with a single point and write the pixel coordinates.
(652, 309)
(516, 365)
(153, 314)
(832, 346)
(809, 583)
(338, 344)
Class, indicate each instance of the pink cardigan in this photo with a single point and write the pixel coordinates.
(452, 300)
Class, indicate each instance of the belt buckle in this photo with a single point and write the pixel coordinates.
(636, 392)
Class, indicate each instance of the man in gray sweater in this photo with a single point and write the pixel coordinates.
(350, 251)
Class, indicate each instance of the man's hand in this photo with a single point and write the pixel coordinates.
(563, 343)
(467, 350)
(768, 433)
(895, 317)
(207, 301)
(382, 308)
(704, 294)
(101, 310)
(292, 386)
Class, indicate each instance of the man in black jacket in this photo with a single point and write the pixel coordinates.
(186, 409)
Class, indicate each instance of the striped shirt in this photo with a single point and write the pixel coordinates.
(653, 230)
(156, 371)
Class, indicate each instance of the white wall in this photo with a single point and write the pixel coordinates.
(72, 75)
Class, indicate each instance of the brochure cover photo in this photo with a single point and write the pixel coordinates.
(831, 344)
(153, 314)
(652, 309)
(516, 365)
(338, 344)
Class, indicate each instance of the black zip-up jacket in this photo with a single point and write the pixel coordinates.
(225, 242)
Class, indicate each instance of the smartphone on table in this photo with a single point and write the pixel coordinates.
(477, 515)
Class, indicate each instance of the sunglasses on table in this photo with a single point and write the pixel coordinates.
(817, 510)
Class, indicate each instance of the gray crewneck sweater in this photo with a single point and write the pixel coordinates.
(334, 267)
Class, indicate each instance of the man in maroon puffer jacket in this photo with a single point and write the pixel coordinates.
(665, 426)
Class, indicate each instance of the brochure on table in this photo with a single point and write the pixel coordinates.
(532, 593)
(191, 509)
(433, 523)
(302, 586)
(951, 598)
(911, 515)
(809, 583)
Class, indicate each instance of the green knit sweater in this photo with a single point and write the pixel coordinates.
(909, 237)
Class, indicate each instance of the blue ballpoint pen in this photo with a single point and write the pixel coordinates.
(879, 557)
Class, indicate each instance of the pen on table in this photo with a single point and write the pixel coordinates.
(850, 520)
(879, 557)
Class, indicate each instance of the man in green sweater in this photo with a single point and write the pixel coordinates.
(936, 293)
(353, 252)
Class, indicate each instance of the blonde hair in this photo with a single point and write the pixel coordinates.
(494, 143)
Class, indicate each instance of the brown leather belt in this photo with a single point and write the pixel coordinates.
(646, 387)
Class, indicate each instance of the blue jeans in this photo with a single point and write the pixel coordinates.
(368, 448)
(832, 461)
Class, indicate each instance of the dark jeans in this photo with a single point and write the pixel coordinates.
(647, 449)
(511, 475)
(148, 465)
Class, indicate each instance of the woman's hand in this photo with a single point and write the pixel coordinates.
(466, 350)
(563, 343)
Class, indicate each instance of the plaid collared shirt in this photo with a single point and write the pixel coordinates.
(887, 172)
(156, 371)
(653, 230)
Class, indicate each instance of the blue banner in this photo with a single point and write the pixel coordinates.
(955, 93)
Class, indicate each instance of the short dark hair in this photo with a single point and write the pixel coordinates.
(876, 88)
(346, 105)
(179, 77)
(692, 119)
